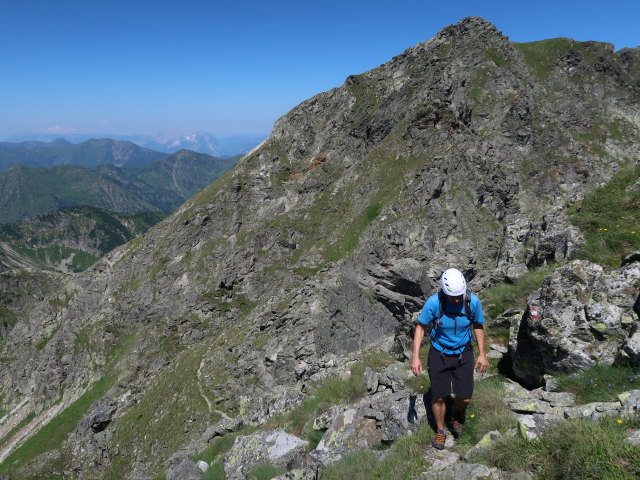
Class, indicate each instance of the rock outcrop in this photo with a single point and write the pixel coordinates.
(583, 316)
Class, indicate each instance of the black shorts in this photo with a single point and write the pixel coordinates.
(446, 370)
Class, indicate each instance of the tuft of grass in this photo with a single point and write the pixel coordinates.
(420, 384)
(404, 460)
(609, 218)
(600, 383)
(265, 471)
(331, 392)
(503, 296)
(216, 471)
(573, 449)
(487, 411)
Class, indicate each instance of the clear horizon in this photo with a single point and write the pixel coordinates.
(139, 68)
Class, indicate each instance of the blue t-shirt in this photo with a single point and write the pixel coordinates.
(452, 333)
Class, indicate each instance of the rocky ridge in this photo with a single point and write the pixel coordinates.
(449, 154)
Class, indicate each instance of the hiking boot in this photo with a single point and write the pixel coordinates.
(457, 425)
(438, 440)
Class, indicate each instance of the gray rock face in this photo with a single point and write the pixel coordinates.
(99, 419)
(531, 244)
(185, 470)
(585, 317)
(275, 447)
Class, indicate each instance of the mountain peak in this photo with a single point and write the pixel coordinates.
(470, 27)
(60, 142)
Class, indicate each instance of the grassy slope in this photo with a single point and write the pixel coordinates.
(609, 217)
(41, 240)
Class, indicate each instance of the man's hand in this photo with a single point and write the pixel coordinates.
(416, 365)
(482, 363)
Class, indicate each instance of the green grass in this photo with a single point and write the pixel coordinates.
(487, 412)
(331, 392)
(8, 316)
(214, 453)
(495, 56)
(609, 218)
(580, 449)
(600, 383)
(25, 421)
(503, 296)
(52, 435)
(420, 384)
(166, 409)
(43, 342)
(404, 460)
(539, 56)
(228, 300)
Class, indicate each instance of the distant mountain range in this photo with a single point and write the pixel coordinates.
(69, 240)
(169, 141)
(162, 185)
(89, 153)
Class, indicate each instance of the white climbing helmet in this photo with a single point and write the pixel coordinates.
(453, 283)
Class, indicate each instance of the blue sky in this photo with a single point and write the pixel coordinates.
(132, 67)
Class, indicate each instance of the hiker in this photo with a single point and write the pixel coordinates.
(450, 313)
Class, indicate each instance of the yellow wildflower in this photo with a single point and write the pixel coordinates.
(619, 421)
(472, 416)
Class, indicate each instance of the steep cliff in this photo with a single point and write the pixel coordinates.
(323, 241)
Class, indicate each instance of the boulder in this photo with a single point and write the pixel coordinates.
(298, 474)
(483, 446)
(559, 399)
(184, 470)
(464, 471)
(276, 447)
(101, 417)
(630, 402)
(534, 425)
(631, 349)
(581, 317)
(371, 380)
(551, 384)
(351, 430)
(395, 376)
(530, 406)
(440, 459)
(279, 399)
(633, 438)
(593, 410)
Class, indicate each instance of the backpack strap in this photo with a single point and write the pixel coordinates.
(467, 306)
